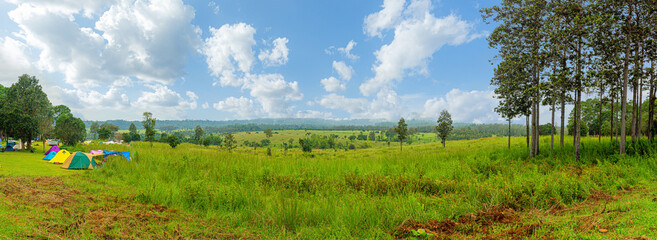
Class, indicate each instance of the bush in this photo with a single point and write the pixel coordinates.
(173, 141)
(305, 145)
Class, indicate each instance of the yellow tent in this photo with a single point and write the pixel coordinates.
(60, 157)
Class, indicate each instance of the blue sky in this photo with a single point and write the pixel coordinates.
(248, 59)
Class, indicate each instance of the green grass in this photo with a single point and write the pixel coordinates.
(369, 193)
(28, 164)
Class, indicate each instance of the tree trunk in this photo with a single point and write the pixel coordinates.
(635, 93)
(639, 112)
(552, 127)
(563, 116)
(651, 101)
(509, 143)
(578, 100)
(624, 91)
(600, 114)
(612, 128)
(400, 145)
(527, 127)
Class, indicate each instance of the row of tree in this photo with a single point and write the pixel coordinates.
(550, 51)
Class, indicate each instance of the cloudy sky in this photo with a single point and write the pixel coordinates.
(246, 59)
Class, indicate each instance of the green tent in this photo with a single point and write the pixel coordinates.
(79, 160)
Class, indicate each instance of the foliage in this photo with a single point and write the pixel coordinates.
(198, 134)
(546, 129)
(94, 129)
(28, 105)
(60, 110)
(229, 142)
(268, 133)
(402, 131)
(305, 145)
(69, 129)
(107, 130)
(149, 124)
(444, 126)
(173, 141)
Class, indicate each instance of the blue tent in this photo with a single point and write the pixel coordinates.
(50, 156)
(123, 154)
(10, 147)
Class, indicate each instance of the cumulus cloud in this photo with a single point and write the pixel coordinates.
(230, 44)
(164, 97)
(418, 35)
(14, 60)
(313, 114)
(332, 84)
(276, 56)
(343, 70)
(472, 106)
(354, 106)
(148, 41)
(83, 99)
(242, 106)
(384, 19)
(273, 93)
(205, 105)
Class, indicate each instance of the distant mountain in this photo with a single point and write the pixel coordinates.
(284, 123)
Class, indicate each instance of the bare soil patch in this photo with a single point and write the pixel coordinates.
(64, 212)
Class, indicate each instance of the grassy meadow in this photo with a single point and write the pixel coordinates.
(468, 190)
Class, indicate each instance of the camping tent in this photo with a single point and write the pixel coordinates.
(52, 149)
(50, 156)
(10, 147)
(61, 157)
(93, 152)
(126, 155)
(79, 160)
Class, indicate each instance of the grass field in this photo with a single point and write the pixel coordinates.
(470, 189)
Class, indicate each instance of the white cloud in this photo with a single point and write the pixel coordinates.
(214, 6)
(242, 106)
(148, 41)
(273, 93)
(165, 97)
(228, 44)
(418, 35)
(386, 105)
(343, 70)
(88, 8)
(347, 50)
(384, 19)
(470, 107)
(276, 56)
(354, 106)
(232, 44)
(14, 60)
(205, 105)
(332, 84)
(313, 114)
(84, 100)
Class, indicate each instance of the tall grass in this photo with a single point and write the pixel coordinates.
(366, 193)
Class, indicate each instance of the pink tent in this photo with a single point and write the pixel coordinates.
(96, 152)
(52, 149)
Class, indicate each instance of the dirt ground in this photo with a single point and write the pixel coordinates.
(58, 210)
